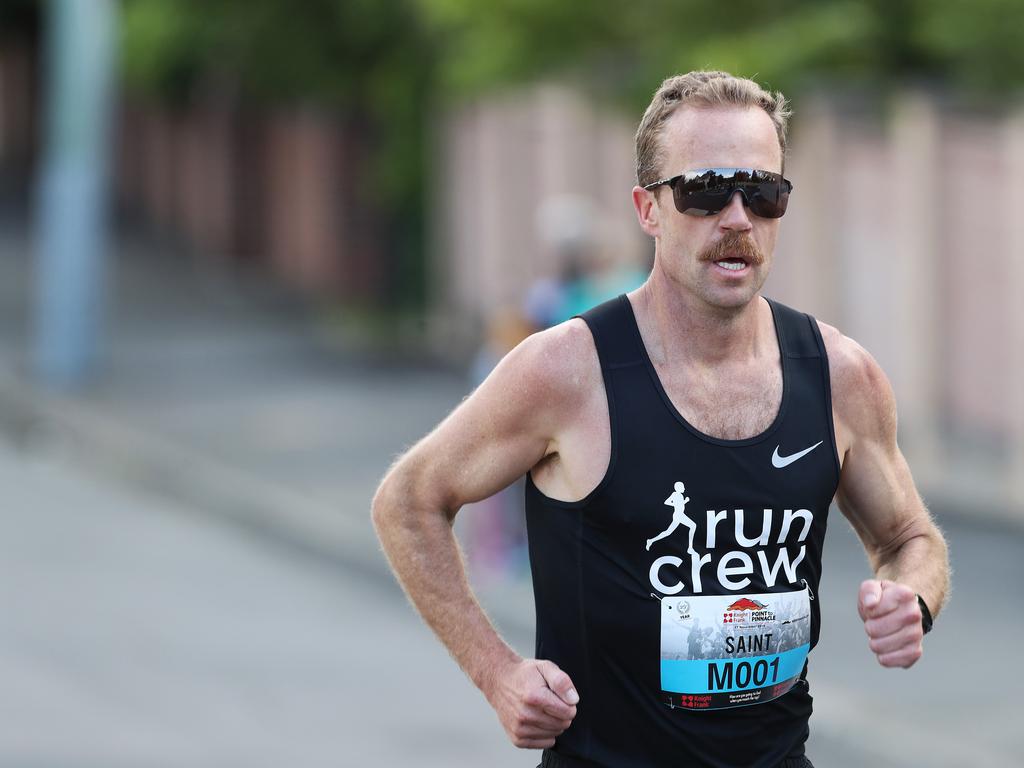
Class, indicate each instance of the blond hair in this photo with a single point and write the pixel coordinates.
(704, 89)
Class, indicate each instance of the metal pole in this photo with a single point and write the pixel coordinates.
(73, 197)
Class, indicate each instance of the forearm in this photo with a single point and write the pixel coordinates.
(921, 562)
(422, 550)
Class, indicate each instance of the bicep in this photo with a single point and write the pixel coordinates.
(478, 450)
(876, 489)
(492, 438)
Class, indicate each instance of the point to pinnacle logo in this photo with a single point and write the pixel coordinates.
(747, 611)
(746, 604)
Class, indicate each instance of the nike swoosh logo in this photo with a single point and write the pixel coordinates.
(784, 461)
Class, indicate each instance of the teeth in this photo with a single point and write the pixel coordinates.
(734, 266)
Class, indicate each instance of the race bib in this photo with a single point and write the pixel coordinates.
(721, 651)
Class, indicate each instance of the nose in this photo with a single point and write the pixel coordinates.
(736, 215)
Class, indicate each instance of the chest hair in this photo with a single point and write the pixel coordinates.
(726, 404)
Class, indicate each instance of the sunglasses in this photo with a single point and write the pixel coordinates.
(707, 191)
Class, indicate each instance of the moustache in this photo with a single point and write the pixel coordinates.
(734, 245)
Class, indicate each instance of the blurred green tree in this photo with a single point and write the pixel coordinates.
(19, 18)
(370, 62)
(626, 49)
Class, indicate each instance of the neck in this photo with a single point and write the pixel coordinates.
(678, 327)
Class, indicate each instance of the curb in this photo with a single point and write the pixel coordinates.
(45, 422)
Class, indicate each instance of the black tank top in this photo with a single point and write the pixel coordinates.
(680, 594)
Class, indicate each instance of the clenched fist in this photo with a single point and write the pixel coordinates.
(535, 702)
(892, 620)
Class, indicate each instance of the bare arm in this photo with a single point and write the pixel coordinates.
(877, 494)
(508, 425)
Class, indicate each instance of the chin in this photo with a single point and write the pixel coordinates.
(731, 299)
(736, 296)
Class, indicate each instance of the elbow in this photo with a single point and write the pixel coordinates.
(403, 501)
(385, 502)
(381, 506)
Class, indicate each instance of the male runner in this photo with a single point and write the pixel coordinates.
(765, 413)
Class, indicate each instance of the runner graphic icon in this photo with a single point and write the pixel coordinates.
(678, 503)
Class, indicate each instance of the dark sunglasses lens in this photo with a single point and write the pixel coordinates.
(769, 199)
(702, 195)
(705, 202)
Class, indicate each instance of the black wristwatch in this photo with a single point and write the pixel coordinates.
(926, 615)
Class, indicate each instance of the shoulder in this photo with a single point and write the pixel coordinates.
(514, 418)
(862, 396)
(550, 369)
(566, 349)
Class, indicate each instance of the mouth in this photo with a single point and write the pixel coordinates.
(733, 264)
(734, 256)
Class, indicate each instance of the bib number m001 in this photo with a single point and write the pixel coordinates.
(721, 651)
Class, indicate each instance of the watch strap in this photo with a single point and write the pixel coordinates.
(926, 615)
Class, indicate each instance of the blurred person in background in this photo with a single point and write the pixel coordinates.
(765, 414)
(572, 228)
(567, 229)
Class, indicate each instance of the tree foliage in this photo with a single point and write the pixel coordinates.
(370, 59)
(626, 49)
(19, 17)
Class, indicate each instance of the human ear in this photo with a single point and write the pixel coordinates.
(647, 211)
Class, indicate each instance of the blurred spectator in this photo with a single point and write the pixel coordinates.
(589, 271)
(547, 297)
(603, 278)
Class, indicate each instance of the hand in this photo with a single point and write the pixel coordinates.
(535, 702)
(892, 620)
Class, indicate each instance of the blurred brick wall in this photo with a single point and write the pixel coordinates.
(276, 186)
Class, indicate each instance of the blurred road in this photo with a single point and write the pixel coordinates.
(189, 576)
(137, 634)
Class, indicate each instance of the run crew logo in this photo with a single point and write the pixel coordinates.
(774, 553)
